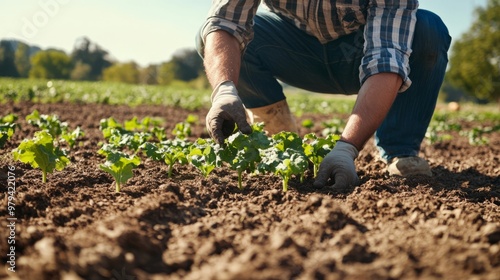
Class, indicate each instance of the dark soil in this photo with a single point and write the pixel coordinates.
(76, 227)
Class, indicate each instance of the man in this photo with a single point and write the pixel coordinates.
(366, 47)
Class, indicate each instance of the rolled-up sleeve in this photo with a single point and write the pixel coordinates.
(389, 30)
(234, 17)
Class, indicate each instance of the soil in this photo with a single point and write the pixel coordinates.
(187, 227)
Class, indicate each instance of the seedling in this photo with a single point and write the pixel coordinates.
(71, 137)
(294, 163)
(204, 155)
(169, 151)
(316, 148)
(119, 165)
(40, 152)
(119, 137)
(182, 130)
(307, 123)
(333, 126)
(7, 128)
(55, 127)
(51, 123)
(283, 163)
(242, 152)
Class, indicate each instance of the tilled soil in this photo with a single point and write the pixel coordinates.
(186, 227)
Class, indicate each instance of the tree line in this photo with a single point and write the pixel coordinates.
(90, 62)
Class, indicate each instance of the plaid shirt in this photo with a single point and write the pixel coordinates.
(388, 26)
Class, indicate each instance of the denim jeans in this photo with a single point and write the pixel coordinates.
(281, 51)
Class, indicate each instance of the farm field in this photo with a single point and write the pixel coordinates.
(187, 226)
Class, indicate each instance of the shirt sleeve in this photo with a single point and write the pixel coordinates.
(389, 30)
(234, 17)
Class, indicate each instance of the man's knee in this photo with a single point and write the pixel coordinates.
(431, 37)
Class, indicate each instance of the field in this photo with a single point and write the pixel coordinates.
(75, 226)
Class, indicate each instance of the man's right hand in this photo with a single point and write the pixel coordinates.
(226, 111)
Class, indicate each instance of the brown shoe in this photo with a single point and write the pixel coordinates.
(407, 166)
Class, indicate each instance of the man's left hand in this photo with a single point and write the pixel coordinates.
(339, 165)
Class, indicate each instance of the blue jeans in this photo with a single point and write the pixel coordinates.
(282, 51)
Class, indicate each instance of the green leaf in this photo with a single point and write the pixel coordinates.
(287, 140)
(294, 163)
(51, 123)
(40, 152)
(119, 165)
(316, 148)
(169, 151)
(204, 155)
(6, 132)
(73, 136)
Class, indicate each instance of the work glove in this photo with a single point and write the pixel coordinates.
(227, 111)
(338, 165)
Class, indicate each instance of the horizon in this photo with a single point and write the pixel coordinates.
(146, 34)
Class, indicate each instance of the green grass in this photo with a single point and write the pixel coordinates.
(100, 92)
(443, 122)
(15, 90)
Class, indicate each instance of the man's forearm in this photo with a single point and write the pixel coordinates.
(375, 98)
(222, 58)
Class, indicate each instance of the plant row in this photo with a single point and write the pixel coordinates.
(284, 154)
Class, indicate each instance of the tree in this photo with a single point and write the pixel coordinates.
(475, 58)
(188, 63)
(50, 64)
(149, 75)
(122, 72)
(166, 73)
(81, 72)
(22, 59)
(86, 52)
(7, 60)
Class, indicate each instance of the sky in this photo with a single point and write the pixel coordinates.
(146, 32)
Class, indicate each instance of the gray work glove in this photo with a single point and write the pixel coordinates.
(226, 111)
(339, 165)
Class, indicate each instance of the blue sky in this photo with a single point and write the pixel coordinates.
(146, 31)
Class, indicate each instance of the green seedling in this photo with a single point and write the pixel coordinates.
(159, 133)
(283, 163)
(40, 152)
(51, 123)
(286, 140)
(7, 128)
(119, 137)
(204, 155)
(169, 151)
(333, 126)
(476, 136)
(307, 123)
(242, 152)
(192, 119)
(119, 165)
(145, 125)
(316, 148)
(72, 137)
(294, 163)
(55, 127)
(182, 130)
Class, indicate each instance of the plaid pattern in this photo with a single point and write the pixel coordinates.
(388, 26)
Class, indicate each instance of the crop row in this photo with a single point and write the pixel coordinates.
(284, 154)
(51, 91)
